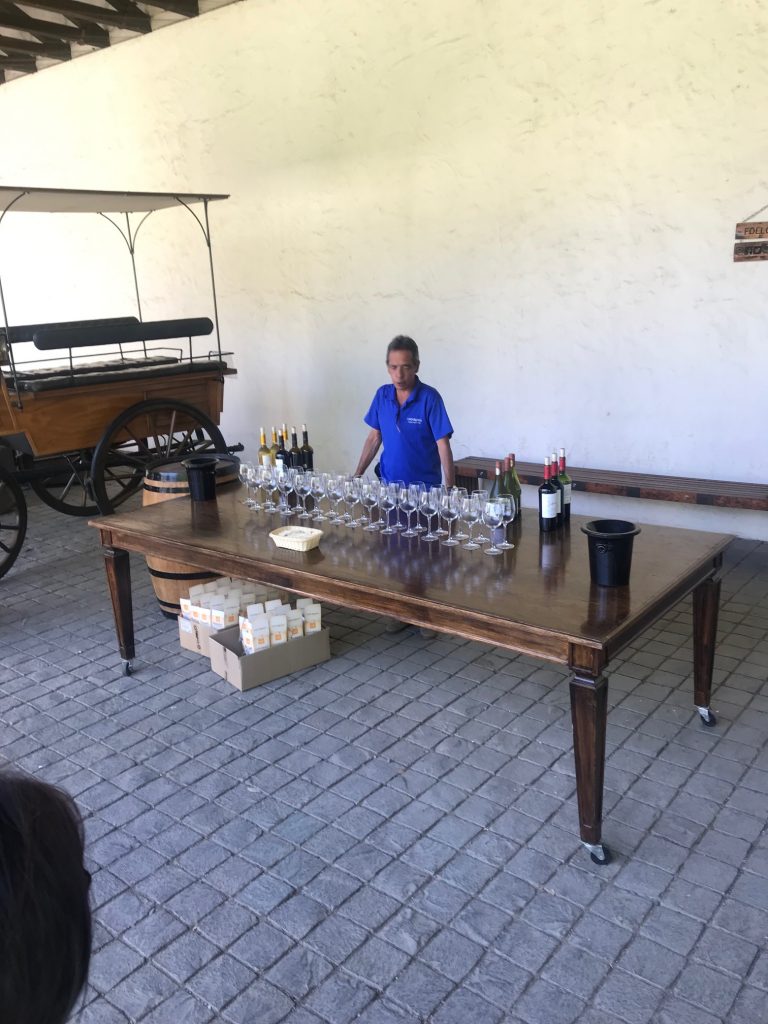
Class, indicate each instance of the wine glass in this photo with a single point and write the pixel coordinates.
(265, 484)
(408, 502)
(388, 503)
(243, 472)
(493, 515)
(509, 510)
(253, 483)
(457, 493)
(370, 491)
(284, 481)
(482, 496)
(421, 490)
(470, 514)
(302, 483)
(317, 488)
(336, 495)
(430, 503)
(449, 512)
(351, 498)
(440, 532)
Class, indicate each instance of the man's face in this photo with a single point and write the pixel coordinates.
(402, 369)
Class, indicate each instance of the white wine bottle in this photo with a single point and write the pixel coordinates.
(265, 455)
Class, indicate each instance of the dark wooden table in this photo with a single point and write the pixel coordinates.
(536, 599)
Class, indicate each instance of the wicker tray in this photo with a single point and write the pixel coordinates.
(296, 538)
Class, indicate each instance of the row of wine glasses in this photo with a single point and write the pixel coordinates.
(385, 507)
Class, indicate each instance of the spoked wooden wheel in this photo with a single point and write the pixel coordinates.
(64, 483)
(160, 428)
(13, 520)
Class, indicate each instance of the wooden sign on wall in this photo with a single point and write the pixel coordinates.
(755, 246)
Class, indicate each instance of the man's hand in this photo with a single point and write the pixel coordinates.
(446, 461)
(371, 445)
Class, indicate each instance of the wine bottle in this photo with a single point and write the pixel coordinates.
(284, 443)
(556, 483)
(547, 502)
(496, 482)
(295, 452)
(567, 484)
(282, 458)
(515, 487)
(274, 446)
(505, 476)
(307, 451)
(265, 455)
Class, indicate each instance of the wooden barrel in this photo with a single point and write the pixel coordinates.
(164, 481)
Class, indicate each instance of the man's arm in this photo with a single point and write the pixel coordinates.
(446, 461)
(370, 447)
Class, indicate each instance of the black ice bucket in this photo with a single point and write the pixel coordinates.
(610, 550)
(201, 473)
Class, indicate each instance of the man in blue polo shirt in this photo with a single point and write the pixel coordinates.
(410, 418)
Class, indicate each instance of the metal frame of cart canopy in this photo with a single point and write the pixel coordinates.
(110, 205)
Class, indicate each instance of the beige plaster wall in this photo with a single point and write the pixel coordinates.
(543, 195)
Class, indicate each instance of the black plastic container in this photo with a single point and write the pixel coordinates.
(610, 550)
(201, 473)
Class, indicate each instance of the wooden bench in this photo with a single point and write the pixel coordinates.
(716, 493)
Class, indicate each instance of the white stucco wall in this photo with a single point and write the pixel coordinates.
(543, 195)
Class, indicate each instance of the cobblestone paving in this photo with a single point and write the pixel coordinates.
(391, 837)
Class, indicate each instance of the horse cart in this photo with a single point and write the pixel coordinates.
(86, 406)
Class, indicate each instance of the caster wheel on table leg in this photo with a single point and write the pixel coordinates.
(598, 853)
(707, 717)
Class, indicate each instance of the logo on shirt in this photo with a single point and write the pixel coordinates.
(415, 420)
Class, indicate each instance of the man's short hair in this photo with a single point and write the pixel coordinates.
(402, 343)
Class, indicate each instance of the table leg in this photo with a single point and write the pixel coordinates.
(706, 604)
(589, 713)
(118, 566)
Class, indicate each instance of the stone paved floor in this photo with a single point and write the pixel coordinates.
(390, 838)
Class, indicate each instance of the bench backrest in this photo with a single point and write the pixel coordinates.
(48, 338)
(26, 332)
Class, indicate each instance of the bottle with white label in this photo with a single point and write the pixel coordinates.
(265, 455)
(548, 501)
(567, 484)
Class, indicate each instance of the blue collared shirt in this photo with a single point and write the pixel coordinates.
(410, 433)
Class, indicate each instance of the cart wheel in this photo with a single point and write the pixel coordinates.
(67, 486)
(160, 428)
(13, 520)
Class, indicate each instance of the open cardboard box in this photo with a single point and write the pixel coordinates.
(194, 636)
(248, 670)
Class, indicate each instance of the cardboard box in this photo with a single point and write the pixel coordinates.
(194, 636)
(248, 670)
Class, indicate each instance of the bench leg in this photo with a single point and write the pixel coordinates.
(118, 566)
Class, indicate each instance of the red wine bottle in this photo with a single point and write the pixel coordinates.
(282, 457)
(553, 478)
(547, 502)
(307, 451)
(567, 484)
(295, 451)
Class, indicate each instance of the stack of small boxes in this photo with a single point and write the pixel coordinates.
(269, 623)
(228, 620)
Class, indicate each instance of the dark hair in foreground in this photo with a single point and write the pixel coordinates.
(402, 343)
(45, 917)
